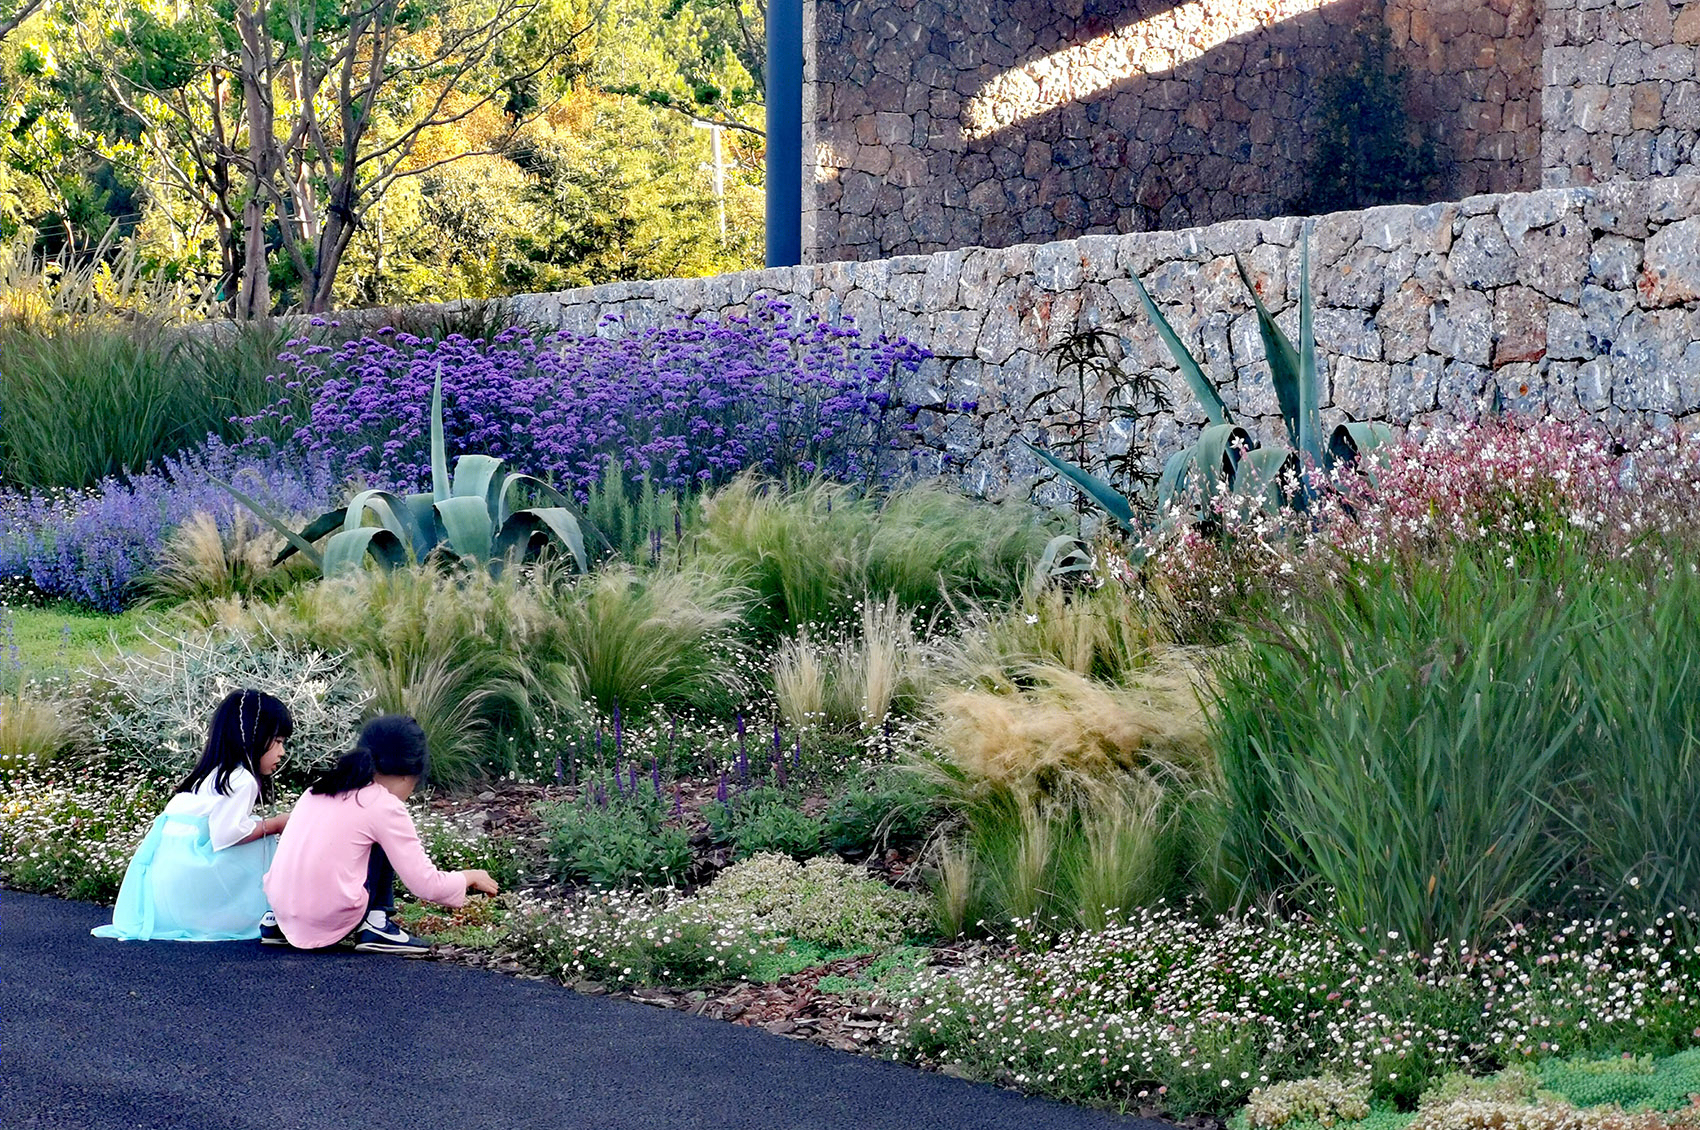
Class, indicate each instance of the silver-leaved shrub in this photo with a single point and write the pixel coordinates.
(149, 708)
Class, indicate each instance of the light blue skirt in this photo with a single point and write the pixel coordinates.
(177, 888)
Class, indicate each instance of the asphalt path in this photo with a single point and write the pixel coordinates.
(97, 1034)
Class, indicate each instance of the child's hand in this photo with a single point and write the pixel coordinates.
(477, 880)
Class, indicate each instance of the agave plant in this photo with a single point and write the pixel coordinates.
(1225, 458)
(477, 515)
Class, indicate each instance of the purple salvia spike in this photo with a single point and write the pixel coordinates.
(678, 802)
(720, 793)
(560, 770)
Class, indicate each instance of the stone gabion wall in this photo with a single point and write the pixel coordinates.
(1473, 82)
(936, 124)
(1575, 302)
(1621, 95)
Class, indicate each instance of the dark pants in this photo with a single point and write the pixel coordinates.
(380, 882)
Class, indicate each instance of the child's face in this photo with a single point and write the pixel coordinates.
(272, 758)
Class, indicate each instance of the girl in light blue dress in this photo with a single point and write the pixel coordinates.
(196, 876)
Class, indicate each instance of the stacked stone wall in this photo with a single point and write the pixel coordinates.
(936, 124)
(1621, 93)
(1580, 302)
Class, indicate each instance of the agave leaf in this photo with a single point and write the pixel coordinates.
(439, 447)
(347, 550)
(504, 507)
(422, 518)
(1099, 491)
(1310, 392)
(298, 543)
(555, 523)
(474, 476)
(1284, 367)
(1259, 473)
(1177, 472)
(1355, 439)
(466, 526)
(1217, 453)
(1202, 387)
(1066, 557)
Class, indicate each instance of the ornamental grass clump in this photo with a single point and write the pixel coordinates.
(1398, 738)
(475, 658)
(812, 552)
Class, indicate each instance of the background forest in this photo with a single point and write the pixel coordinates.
(244, 157)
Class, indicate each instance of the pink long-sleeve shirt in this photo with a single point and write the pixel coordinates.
(317, 881)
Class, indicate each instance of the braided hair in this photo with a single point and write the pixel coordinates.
(242, 729)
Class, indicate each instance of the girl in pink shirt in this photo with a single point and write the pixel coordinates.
(348, 838)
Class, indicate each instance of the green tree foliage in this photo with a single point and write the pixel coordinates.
(568, 145)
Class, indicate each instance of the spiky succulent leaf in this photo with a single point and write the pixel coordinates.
(301, 543)
(512, 488)
(1310, 390)
(1106, 496)
(1202, 387)
(1285, 369)
(346, 552)
(466, 526)
(439, 445)
(1218, 451)
(523, 529)
(1178, 470)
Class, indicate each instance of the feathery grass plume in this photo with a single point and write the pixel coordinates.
(811, 552)
(33, 732)
(799, 672)
(1071, 796)
(934, 548)
(200, 562)
(480, 656)
(647, 641)
(452, 711)
(1051, 721)
(882, 669)
(1108, 633)
(797, 550)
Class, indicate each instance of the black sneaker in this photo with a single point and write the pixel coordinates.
(270, 933)
(379, 935)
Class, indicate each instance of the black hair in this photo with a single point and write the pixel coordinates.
(393, 745)
(242, 729)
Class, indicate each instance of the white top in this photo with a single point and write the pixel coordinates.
(230, 819)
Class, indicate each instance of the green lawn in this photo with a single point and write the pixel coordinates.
(60, 639)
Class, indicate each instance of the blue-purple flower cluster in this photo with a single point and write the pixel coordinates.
(685, 405)
(92, 546)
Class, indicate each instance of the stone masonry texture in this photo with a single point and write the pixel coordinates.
(1620, 90)
(940, 124)
(1579, 302)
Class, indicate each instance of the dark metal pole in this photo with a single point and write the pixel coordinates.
(784, 133)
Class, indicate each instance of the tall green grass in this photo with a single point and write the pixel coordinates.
(1447, 746)
(87, 397)
(1638, 806)
(812, 553)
